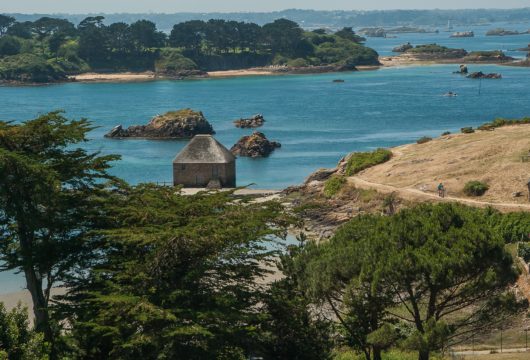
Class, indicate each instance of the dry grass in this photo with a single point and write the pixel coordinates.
(493, 157)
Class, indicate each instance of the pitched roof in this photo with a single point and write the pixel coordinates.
(204, 149)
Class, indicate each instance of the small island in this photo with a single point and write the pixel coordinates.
(180, 124)
(254, 145)
(253, 122)
(504, 32)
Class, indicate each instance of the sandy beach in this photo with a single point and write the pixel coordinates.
(114, 77)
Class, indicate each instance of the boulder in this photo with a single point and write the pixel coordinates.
(254, 145)
(252, 122)
(481, 75)
(320, 175)
(463, 70)
(181, 124)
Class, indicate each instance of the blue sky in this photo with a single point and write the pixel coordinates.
(84, 6)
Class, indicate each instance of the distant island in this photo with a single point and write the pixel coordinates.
(442, 54)
(51, 49)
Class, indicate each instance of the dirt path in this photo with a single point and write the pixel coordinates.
(415, 194)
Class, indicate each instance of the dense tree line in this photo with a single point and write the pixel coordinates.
(150, 273)
(51, 48)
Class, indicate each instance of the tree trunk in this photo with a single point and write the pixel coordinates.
(423, 355)
(377, 353)
(40, 307)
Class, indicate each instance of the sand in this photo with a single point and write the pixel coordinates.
(114, 77)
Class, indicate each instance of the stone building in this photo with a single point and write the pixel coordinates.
(204, 162)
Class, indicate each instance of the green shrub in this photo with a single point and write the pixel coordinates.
(524, 251)
(500, 122)
(423, 140)
(467, 130)
(475, 188)
(9, 45)
(298, 63)
(333, 185)
(363, 160)
(30, 68)
(172, 61)
(513, 227)
(445, 133)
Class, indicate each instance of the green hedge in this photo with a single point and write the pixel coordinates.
(475, 188)
(363, 160)
(333, 185)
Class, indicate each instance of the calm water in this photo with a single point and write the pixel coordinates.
(316, 121)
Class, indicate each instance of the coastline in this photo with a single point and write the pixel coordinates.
(385, 62)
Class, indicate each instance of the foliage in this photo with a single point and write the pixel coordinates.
(423, 140)
(177, 276)
(513, 227)
(500, 122)
(363, 160)
(524, 251)
(293, 330)
(426, 266)
(345, 52)
(341, 276)
(9, 45)
(475, 188)
(173, 61)
(29, 68)
(17, 341)
(333, 185)
(467, 130)
(298, 63)
(432, 49)
(48, 201)
(445, 133)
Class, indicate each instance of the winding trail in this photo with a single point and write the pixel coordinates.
(415, 194)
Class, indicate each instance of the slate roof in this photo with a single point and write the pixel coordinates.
(204, 149)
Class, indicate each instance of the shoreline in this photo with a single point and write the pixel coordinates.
(146, 76)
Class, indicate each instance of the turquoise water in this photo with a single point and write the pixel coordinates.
(317, 121)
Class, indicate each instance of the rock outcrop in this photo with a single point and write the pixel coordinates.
(252, 122)
(481, 75)
(181, 124)
(504, 32)
(403, 48)
(254, 145)
(463, 70)
(463, 34)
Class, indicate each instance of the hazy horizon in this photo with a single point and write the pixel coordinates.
(207, 6)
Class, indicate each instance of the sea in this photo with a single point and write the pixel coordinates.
(316, 120)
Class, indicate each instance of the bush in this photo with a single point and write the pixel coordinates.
(423, 140)
(30, 68)
(500, 122)
(333, 185)
(172, 61)
(513, 227)
(467, 130)
(524, 251)
(9, 45)
(475, 188)
(298, 63)
(363, 160)
(445, 133)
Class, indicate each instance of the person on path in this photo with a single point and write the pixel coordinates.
(441, 190)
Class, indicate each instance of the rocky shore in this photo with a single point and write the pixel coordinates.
(181, 124)
(250, 123)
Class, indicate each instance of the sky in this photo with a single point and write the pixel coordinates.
(172, 6)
